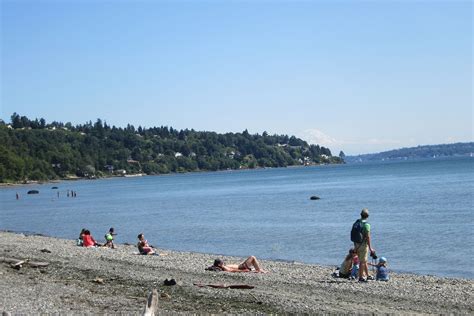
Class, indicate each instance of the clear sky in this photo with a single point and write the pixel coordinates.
(357, 76)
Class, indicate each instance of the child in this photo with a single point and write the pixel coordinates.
(109, 238)
(382, 271)
(79, 240)
(355, 266)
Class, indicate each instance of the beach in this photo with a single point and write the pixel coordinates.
(113, 281)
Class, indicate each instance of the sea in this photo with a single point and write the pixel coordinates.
(421, 212)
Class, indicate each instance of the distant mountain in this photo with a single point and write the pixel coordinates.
(427, 151)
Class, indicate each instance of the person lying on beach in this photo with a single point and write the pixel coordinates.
(88, 240)
(250, 264)
(143, 247)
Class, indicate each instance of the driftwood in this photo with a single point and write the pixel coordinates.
(151, 307)
(17, 262)
(37, 264)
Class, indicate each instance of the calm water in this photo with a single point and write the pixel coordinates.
(421, 212)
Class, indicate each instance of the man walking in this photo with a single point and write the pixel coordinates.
(360, 235)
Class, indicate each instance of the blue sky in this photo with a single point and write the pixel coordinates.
(357, 76)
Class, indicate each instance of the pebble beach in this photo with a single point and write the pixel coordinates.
(118, 281)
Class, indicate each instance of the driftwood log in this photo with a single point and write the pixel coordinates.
(18, 263)
(151, 307)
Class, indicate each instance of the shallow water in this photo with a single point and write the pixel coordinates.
(421, 212)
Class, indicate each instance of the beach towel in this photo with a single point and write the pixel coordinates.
(226, 286)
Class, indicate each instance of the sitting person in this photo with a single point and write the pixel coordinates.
(346, 265)
(382, 270)
(88, 240)
(80, 241)
(248, 265)
(143, 247)
(109, 238)
(355, 265)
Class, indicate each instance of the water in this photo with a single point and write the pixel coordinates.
(421, 212)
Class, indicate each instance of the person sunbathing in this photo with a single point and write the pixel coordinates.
(250, 264)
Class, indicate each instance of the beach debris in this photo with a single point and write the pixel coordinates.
(18, 265)
(98, 280)
(45, 250)
(169, 282)
(314, 197)
(17, 262)
(165, 295)
(151, 307)
(37, 264)
(33, 192)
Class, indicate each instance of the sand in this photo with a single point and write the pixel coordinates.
(117, 281)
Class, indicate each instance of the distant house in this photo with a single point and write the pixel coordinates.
(109, 168)
(178, 154)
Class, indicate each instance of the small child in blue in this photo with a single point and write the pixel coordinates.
(355, 266)
(382, 270)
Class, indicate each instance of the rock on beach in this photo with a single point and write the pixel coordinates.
(103, 280)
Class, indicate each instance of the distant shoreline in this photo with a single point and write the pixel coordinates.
(33, 182)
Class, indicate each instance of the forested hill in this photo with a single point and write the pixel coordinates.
(427, 151)
(37, 150)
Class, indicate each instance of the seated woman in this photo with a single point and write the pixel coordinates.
(88, 240)
(143, 247)
(346, 265)
(248, 265)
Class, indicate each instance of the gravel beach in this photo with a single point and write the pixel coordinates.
(117, 281)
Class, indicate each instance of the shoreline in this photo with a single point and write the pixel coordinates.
(289, 261)
(33, 182)
(102, 280)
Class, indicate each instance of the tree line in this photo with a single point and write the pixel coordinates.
(37, 150)
(425, 151)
